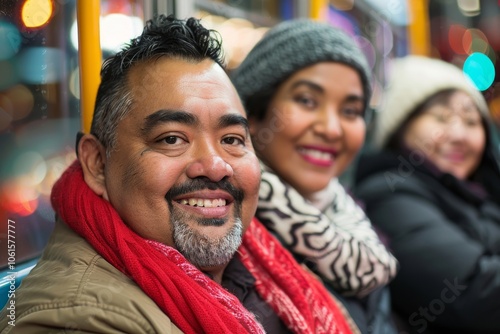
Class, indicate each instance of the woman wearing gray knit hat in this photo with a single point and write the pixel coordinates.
(306, 86)
(433, 187)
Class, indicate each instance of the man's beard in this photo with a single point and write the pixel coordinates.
(203, 251)
(197, 248)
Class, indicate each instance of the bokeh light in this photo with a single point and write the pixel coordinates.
(474, 40)
(6, 104)
(22, 101)
(118, 29)
(24, 163)
(36, 13)
(385, 40)
(495, 109)
(17, 198)
(491, 53)
(456, 38)
(369, 51)
(115, 29)
(238, 36)
(341, 20)
(10, 40)
(41, 65)
(74, 83)
(480, 69)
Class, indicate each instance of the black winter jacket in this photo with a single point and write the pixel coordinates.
(446, 235)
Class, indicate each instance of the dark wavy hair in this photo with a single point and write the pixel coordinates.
(163, 36)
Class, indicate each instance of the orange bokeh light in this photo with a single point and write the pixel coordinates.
(495, 108)
(36, 13)
(17, 199)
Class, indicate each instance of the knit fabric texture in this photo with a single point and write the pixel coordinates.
(414, 79)
(291, 46)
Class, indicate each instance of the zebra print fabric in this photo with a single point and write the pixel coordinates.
(337, 242)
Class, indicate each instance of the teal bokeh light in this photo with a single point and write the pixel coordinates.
(480, 69)
(40, 65)
(10, 40)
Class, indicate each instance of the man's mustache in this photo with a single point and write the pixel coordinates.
(202, 183)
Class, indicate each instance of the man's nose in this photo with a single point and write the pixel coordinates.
(209, 163)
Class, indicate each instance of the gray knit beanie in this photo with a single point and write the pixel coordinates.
(291, 46)
(412, 80)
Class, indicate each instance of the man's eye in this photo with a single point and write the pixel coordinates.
(233, 141)
(171, 140)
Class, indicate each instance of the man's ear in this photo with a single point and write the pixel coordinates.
(92, 157)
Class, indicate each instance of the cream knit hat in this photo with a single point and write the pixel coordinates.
(413, 79)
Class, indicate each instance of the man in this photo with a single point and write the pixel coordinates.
(162, 196)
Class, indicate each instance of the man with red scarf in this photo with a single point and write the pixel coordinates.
(155, 230)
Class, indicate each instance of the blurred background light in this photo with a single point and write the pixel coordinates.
(40, 65)
(24, 163)
(469, 7)
(341, 20)
(395, 11)
(10, 40)
(385, 40)
(480, 69)
(116, 30)
(36, 13)
(238, 36)
(369, 51)
(17, 198)
(474, 40)
(74, 83)
(456, 38)
(6, 105)
(22, 101)
(495, 109)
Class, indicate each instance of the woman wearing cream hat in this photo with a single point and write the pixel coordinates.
(433, 187)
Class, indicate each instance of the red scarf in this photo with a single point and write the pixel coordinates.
(195, 303)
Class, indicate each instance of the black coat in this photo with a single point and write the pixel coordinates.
(445, 234)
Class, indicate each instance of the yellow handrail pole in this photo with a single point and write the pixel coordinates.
(419, 30)
(317, 9)
(89, 55)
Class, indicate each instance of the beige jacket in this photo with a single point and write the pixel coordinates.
(73, 289)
